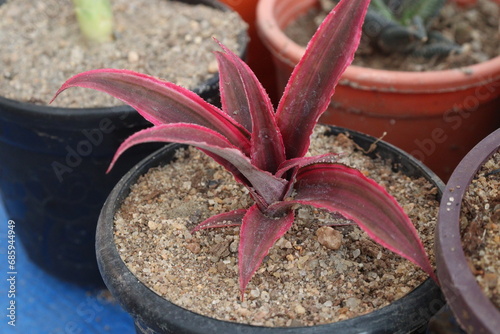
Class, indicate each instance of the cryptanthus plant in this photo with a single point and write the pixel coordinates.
(265, 149)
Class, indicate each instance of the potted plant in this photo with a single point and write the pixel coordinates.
(54, 157)
(153, 312)
(460, 222)
(437, 116)
(265, 152)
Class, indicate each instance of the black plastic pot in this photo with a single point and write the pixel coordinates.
(52, 173)
(154, 314)
(53, 179)
(472, 308)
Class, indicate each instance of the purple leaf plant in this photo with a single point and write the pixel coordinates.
(265, 149)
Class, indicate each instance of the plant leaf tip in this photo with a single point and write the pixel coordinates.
(59, 91)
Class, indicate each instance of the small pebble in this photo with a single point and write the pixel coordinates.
(329, 237)
(491, 280)
(213, 67)
(194, 247)
(300, 309)
(352, 302)
(133, 57)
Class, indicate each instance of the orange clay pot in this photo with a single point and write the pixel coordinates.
(466, 3)
(258, 57)
(436, 116)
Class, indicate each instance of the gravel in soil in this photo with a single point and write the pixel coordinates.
(480, 225)
(42, 47)
(315, 274)
(476, 29)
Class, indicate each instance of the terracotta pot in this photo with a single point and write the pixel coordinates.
(466, 3)
(435, 116)
(258, 56)
(153, 314)
(472, 308)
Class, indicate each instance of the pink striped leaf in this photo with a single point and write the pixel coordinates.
(160, 102)
(289, 168)
(313, 80)
(258, 234)
(232, 218)
(304, 161)
(347, 191)
(234, 101)
(246, 94)
(267, 185)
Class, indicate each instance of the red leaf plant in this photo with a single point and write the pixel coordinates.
(265, 149)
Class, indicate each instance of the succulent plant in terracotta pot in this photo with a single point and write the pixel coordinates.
(436, 115)
(402, 27)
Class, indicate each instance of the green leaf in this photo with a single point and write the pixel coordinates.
(95, 18)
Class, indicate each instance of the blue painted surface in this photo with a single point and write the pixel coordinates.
(46, 305)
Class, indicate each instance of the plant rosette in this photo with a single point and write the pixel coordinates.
(265, 150)
(52, 176)
(437, 116)
(473, 309)
(154, 313)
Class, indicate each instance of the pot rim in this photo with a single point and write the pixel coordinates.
(471, 306)
(141, 299)
(272, 35)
